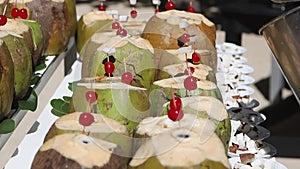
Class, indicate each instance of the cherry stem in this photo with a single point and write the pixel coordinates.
(191, 3)
(125, 69)
(4, 11)
(173, 97)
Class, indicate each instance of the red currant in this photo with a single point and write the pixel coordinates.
(86, 119)
(190, 83)
(196, 58)
(115, 25)
(175, 114)
(127, 77)
(14, 12)
(175, 103)
(91, 96)
(109, 67)
(133, 13)
(190, 9)
(122, 32)
(185, 37)
(189, 71)
(101, 7)
(23, 13)
(170, 5)
(3, 20)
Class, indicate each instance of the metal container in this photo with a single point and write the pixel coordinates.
(283, 37)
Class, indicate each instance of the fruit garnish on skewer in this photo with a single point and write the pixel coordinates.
(3, 18)
(170, 5)
(126, 76)
(175, 113)
(196, 58)
(102, 7)
(133, 13)
(115, 25)
(122, 32)
(23, 13)
(15, 12)
(190, 83)
(191, 8)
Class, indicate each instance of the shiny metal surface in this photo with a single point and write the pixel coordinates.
(283, 37)
(284, 1)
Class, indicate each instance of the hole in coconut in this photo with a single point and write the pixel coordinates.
(183, 135)
(85, 141)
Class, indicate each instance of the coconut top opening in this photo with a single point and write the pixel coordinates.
(102, 37)
(183, 16)
(200, 72)
(13, 27)
(93, 16)
(117, 42)
(110, 85)
(85, 150)
(178, 83)
(184, 144)
(101, 124)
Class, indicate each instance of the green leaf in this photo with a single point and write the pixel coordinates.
(35, 78)
(67, 99)
(30, 103)
(57, 113)
(71, 86)
(60, 106)
(7, 126)
(40, 66)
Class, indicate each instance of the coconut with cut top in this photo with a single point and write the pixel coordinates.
(56, 17)
(133, 54)
(181, 147)
(77, 151)
(17, 37)
(102, 128)
(122, 102)
(6, 80)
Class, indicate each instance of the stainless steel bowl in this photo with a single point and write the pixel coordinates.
(283, 37)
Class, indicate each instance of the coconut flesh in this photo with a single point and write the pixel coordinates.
(200, 70)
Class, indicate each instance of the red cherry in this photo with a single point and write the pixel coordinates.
(189, 71)
(15, 12)
(101, 7)
(91, 96)
(127, 77)
(157, 10)
(190, 9)
(109, 67)
(122, 32)
(3, 20)
(170, 5)
(175, 103)
(185, 37)
(23, 13)
(175, 114)
(86, 119)
(190, 83)
(133, 13)
(115, 25)
(196, 58)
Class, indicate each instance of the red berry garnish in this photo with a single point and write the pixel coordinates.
(109, 67)
(14, 12)
(189, 71)
(23, 13)
(101, 7)
(86, 119)
(175, 103)
(127, 77)
(196, 59)
(91, 96)
(122, 32)
(115, 25)
(170, 5)
(3, 20)
(185, 37)
(175, 114)
(157, 10)
(190, 9)
(190, 83)
(133, 13)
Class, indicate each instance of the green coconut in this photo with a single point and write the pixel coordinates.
(210, 108)
(57, 19)
(136, 52)
(16, 36)
(77, 151)
(122, 102)
(179, 147)
(90, 23)
(37, 39)
(102, 128)
(176, 85)
(6, 80)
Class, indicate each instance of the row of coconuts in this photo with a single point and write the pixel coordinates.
(130, 127)
(46, 31)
